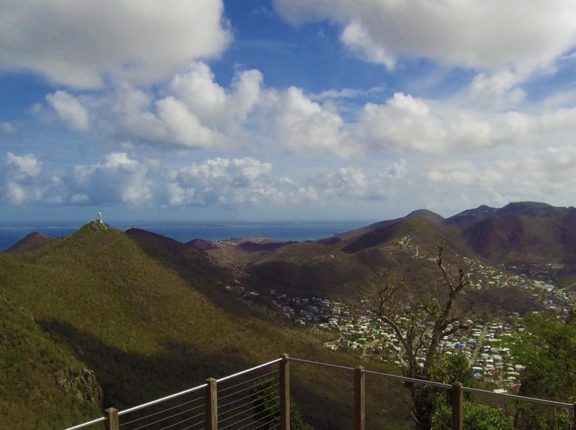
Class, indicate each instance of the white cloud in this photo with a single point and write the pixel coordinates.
(192, 111)
(80, 44)
(345, 93)
(541, 174)
(23, 166)
(19, 182)
(7, 127)
(298, 124)
(118, 179)
(70, 110)
(410, 123)
(223, 181)
(212, 103)
(359, 40)
(343, 183)
(487, 35)
(182, 126)
(247, 181)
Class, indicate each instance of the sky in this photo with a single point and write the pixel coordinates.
(260, 110)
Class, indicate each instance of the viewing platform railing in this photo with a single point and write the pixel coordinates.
(259, 398)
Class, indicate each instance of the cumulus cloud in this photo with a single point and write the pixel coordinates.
(223, 181)
(192, 110)
(123, 179)
(70, 110)
(24, 166)
(117, 179)
(212, 103)
(544, 174)
(79, 44)
(412, 123)
(298, 124)
(247, 181)
(487, 35)
(7, 127)
(18, 179)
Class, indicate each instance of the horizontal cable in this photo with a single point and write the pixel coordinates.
(233, 425)
(154, 402)
(166, 418)
(247, 388)
(247, 408)
(175, 424)
(163, 411)
(268, 423)
(238, 407)
(318, 363)
(193, 425)
(522, 398)
(222, 390)
(243, 405)
(441, 385)
(255, 419)
(238, 400)
(86, 424)
(408, 379)
(243, 412)
(225, 378)
(256, 393)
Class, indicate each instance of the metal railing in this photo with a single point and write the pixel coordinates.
(259, 398)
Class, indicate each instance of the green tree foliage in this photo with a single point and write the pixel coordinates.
(419, 323)
(476, 417)
(548, 349)
(268, 403)
(452, 368)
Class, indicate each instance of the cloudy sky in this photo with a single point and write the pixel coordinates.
(284, 109)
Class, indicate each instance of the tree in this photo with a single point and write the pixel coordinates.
(419, 322)
(548, 350)
(476, 416)
(267, 402)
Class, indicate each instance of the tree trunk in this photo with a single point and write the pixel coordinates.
(423, 401)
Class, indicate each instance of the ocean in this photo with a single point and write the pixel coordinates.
(10, 233)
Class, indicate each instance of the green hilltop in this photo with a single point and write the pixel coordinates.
(104, 318)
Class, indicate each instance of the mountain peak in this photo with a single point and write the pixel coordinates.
(30, 242)
(527, 207)
(425, 213)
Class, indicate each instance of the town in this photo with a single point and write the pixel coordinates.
(482, 340)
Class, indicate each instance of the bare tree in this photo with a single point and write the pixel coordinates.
(419, 322)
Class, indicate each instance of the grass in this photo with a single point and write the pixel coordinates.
(146, 318)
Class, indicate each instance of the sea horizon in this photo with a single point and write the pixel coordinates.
(185, 231)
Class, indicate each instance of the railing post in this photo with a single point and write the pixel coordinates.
(359, 398)
(285, 392)
(112, 421)
(457, 396)
(211, 404)
(574, 416)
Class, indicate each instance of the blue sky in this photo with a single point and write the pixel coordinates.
(283, 109)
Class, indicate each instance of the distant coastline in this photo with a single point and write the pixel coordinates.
(10, 233)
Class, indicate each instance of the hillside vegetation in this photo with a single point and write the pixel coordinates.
(532, 236)
(100, 319)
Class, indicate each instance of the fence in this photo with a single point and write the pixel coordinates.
(259, 398)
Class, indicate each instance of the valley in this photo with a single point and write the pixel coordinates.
(104, 317)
